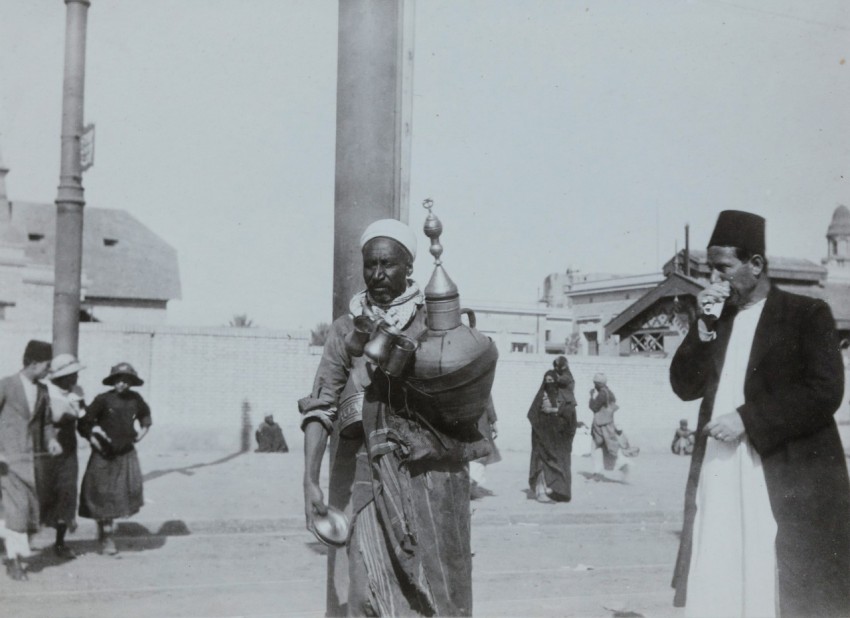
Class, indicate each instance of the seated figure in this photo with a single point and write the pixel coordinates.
(270, 437)
(683, 439)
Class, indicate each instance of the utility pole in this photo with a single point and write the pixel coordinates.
(70, 199)
(373, 129)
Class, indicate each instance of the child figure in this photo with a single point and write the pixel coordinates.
(112, 484)
(683, 439)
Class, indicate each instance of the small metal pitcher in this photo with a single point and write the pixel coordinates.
(357, 338)
(380, 345)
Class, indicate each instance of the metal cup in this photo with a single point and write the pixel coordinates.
(380, 345)
(714, 309)
(402, 351)
(357, 338)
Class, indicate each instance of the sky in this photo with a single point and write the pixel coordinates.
(551, 134)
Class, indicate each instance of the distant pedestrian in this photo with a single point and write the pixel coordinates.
(112, 484)
(606, 436)
(553, 426)
(683, 439)
(57, 475)
(269, 437)
(23, 402)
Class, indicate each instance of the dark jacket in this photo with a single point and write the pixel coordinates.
(794, 385)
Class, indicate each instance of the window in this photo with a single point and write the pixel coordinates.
(548, 335)
(646, 343)
(34, 237)
(110, 242)
(517, 346)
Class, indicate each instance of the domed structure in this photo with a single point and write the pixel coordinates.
(837, 258)
(840, 225)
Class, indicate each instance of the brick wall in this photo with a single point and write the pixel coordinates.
(197, 379)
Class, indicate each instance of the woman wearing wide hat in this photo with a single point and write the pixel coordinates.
(112, 484)
(56, 471)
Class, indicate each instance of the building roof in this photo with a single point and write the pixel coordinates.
(674, 285)
(798, 270)
(517, 308)
(615, 284)
(122, 258)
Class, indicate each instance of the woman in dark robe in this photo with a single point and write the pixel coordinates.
(553, 425)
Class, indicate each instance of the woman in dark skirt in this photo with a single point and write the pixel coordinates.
(56, 471)
(112, 484)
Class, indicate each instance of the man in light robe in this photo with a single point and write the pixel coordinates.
(767, 505)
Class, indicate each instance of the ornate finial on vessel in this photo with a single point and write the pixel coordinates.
(433, 227)
(441, 295)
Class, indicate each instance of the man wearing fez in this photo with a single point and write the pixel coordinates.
(767, 504)
(23, 437)
(408, 547)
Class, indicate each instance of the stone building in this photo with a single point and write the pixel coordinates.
(524, 328)
(129, 273)
(656, 323)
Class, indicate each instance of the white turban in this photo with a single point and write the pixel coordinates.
(391, 228)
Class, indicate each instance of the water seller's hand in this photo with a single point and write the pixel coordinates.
(314, 503)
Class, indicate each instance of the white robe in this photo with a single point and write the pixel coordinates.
(733, 563)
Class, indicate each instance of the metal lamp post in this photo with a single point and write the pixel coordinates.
(70, 198)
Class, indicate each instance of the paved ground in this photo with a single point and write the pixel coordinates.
(222, 536)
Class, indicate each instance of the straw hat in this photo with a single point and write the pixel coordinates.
(64, 365)
(126, 371)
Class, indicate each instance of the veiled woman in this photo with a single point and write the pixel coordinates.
(553, 426)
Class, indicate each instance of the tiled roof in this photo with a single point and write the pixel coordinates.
(122, 258)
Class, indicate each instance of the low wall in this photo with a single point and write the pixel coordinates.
(196, 381)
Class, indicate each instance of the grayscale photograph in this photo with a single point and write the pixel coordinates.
(493, 308)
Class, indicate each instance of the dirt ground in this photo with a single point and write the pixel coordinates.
(222, 535)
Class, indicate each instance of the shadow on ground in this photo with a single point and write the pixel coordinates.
(318, 548)
(129, 537)
(188, 470)
(601, 478)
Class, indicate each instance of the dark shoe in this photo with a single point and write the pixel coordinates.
(107, 546)
(15, 570)
(64, 552)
